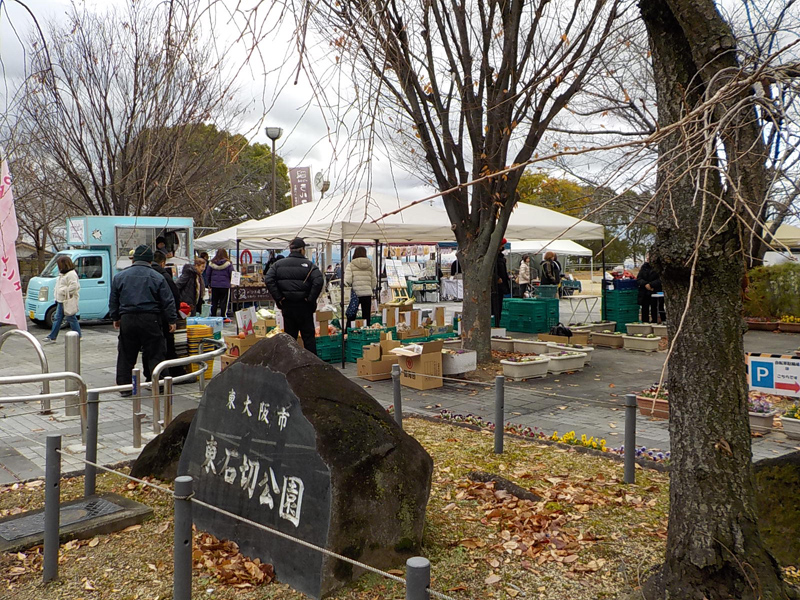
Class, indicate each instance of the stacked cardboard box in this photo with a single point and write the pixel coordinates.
(421, 365)
(377, 360)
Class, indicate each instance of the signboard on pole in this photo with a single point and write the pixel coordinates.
(300, 178)
(777, 374)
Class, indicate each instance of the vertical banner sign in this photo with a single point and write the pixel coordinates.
(12, 304)
(300, 178)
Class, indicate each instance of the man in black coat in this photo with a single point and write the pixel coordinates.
(501, 284)
(159, 264)
(295, 283)
(648, 281)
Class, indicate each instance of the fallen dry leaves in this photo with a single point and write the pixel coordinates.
(223, 560)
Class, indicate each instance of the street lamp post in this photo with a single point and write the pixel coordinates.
(274, 133)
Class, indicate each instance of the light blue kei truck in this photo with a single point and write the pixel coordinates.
(100, 247)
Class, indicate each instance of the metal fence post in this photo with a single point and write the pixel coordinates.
(499, 413)
(418, 578)
(90, 477)
(138, 415)
(167, 400)
(155, 391)
(182, 578)
(398, 399)
(72, 364)
(201, 382)
(630, 438)
(52, 501)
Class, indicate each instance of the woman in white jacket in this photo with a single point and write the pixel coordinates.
(359, 275)
(524, 277)
(67, 293)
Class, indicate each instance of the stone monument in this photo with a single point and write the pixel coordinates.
(287, 441)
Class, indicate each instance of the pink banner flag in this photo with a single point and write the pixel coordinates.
(12, 304)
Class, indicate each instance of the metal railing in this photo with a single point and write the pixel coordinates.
(45, 397)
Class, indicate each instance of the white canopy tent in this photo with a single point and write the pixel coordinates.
(567, 247)
(350, 218)
(227, 238)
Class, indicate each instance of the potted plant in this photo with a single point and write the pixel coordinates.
(553, 348)
(761, 412)
(660, 330)
(604, 325)
(791, 422)
(589, 327)
(503, 344)
(526, 367)
(789, 324)
(607, 339)
(641, 342)
(654, 402)
(762, 323)
(530, 346)
(639, 327)
(566, 360)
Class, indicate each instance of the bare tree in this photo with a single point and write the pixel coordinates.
(463, 90)
(711, 189)
(119, 100)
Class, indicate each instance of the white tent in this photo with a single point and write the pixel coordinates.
(349, 218)
(226, 238)
(567, 247)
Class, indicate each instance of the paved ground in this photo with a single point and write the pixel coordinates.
(587, 402)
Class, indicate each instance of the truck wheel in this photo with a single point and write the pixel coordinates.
(48, 317)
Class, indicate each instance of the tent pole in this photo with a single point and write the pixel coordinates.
(603, 283)
(377, 273)
(342, 319)
(238, 267)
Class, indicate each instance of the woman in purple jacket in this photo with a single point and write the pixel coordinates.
(220, 281)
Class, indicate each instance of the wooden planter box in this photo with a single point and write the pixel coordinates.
(531, 369)
(660, 330)
(762, 422)
(762, 325)
(789, 327)
(633, 328)
(562, 364)
(531, 346)
(641, 344)
(503, 345)
(587, 350)
(791, 427)
(607, 340)
(653, 407)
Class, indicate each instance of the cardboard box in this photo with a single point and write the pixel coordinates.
(412, 333)
(441, 330)
(376, 370)
(399, 307)
(577, 337)
(416, 369)
(390, 316)
(359, 323)
(438, 316)
(323, 328)
(238, 346)
(372, 352)
(263, 326)
(324, 315)
(225, 360)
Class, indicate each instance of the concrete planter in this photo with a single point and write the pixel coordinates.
(660, 330)
(791, 427)
(587, 350)
(789, 327)
(762, 422)
(531, 346)
(463, 362)
(606, 340)
(586, 327)
(530, 369)
(653, 407)
(570, 362)
(503, 345)
(607, 326)
(453, 343)
(641, 344)
(643, 328)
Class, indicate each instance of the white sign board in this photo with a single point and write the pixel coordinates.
(774, 374)
(245, 319)
(76, 231)
(236, 278)
(394, 273)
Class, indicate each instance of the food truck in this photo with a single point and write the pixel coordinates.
(100, 247)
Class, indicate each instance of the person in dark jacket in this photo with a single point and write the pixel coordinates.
(455, 268)
(648, 282)
(220, 282)
(190, 284)
(295, 283)
(207, 272)
(550, 270)
(501, 284)
(139, 296)
(158, 265)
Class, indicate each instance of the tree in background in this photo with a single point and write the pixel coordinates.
(118, 103)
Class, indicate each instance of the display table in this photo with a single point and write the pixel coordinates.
(420, 288)
(452, 289)
(575, 302)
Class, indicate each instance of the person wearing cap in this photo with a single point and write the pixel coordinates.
(295, 283)
(139, 297)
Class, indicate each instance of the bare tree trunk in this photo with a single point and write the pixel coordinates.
(476, 306)
(714, 548)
